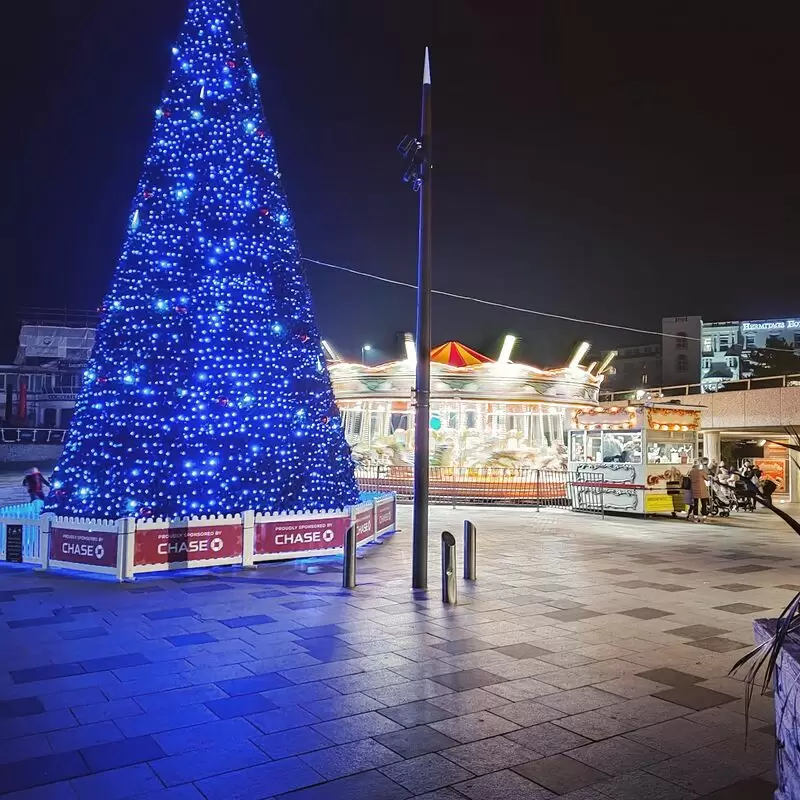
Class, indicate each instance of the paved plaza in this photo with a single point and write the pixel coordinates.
(588, 662)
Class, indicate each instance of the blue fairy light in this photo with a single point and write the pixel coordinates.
(206, 391)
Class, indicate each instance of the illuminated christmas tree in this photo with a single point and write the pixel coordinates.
(207, 391)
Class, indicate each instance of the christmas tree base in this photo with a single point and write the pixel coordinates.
(124, 548)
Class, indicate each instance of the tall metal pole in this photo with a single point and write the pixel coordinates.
(422, 391)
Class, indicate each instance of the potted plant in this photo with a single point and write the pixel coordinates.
(774, 663)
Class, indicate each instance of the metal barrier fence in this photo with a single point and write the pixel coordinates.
(586, 492)
(684, 389)
(490, 485)
(32, 435)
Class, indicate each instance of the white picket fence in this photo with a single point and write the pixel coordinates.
(27, 515)
(126, 547)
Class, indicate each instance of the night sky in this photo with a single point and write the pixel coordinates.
(617, 161)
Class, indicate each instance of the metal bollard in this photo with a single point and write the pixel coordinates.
(449, 587)
(470, 551)
(349, 572)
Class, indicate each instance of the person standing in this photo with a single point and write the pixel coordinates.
(749, 476)
(699, 489)
(34, 482)
(673, 478)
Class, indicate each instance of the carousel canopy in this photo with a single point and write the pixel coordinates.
(459, 372)
(455, 354)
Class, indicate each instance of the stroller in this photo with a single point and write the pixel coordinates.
(744, 493)
(721, 499)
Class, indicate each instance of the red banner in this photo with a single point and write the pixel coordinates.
(94, 548)
(365, 524)
(182, 543)
(385, 514)
(296, 535)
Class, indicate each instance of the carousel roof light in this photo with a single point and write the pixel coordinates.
(330, 352)
(505, 350)
(606, 362)
(577, 356)
(411, 350)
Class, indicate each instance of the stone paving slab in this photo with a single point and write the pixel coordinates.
(588, 661)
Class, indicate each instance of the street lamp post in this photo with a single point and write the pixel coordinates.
(418, 155)
(365, 348)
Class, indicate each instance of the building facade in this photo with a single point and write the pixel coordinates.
(680, 350)
(736, 351)
(41, 386)
(710, 355)
(634, 368)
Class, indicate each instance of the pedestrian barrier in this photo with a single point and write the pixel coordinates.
(586, 492)
(32, 435)
(350, 546)
(465, 485)
(449, 584)
(490, 486)
(470, 551)
(126, 547)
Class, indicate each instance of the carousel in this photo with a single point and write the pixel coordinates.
(487, 415)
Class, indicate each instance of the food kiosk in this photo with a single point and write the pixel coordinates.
(634, 455)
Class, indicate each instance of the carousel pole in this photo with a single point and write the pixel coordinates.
(422, 391)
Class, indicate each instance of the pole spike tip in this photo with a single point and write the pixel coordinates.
(426, 71)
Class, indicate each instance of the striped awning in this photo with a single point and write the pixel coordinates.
(455, 354)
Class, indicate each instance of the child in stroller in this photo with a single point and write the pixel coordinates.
(723, 498)
(744, 492)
